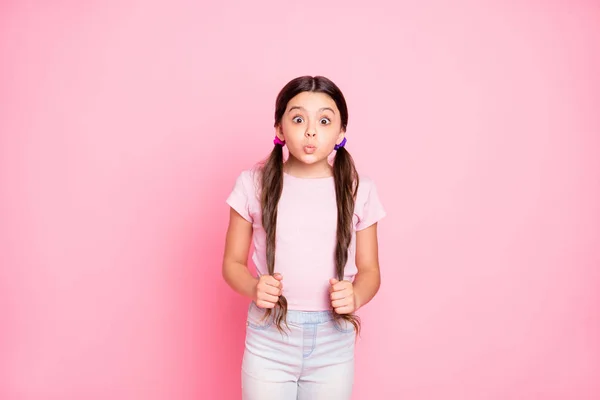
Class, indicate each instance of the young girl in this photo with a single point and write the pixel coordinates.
(314, 230)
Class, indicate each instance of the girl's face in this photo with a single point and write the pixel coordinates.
(311, 126)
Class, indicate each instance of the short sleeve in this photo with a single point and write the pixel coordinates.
(239, 196)
(372, 209)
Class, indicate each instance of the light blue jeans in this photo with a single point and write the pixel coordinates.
(313, 360)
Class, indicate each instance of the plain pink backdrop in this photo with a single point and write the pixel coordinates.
(123, 126)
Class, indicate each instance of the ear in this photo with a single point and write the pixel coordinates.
(341, 136)
(279, 132)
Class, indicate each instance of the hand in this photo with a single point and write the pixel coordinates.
(342, 296)
(268, 290)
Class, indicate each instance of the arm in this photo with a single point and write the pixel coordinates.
(346, 296)
(367, 280)
(237, 244)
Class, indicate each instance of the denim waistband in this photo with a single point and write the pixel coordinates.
(308, 317)
(303, 317)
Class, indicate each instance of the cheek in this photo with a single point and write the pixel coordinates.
(285, 126)
(331, 134)
(292, 130)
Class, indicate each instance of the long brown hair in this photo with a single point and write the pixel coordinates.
(346, 186)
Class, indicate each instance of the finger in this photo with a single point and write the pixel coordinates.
(344, 310)
(268, 297)
(272, 282)
(273, 291)
(265, 304)
(277, 276)
(340, 303)
(341, 285)
(333, 281)
(340, 294)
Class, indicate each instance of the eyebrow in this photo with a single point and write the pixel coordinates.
(303, 109)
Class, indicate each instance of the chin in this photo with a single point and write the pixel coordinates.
(310, 159)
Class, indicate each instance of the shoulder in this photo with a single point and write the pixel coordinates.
(244, 196)
(248, 184)
(365, 180)
(368, 207)
(365, 186)
(249, 179)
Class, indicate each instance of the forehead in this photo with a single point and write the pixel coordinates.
(312, 101)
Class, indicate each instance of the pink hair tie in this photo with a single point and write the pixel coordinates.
(279, 142)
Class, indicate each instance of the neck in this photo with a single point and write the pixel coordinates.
(297, 168)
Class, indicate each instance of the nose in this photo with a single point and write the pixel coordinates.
(311, 129)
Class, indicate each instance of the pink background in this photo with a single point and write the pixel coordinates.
(124, 124)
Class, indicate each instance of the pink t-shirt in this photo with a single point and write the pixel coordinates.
(306, 233)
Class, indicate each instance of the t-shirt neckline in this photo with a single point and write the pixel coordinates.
(325, 178)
